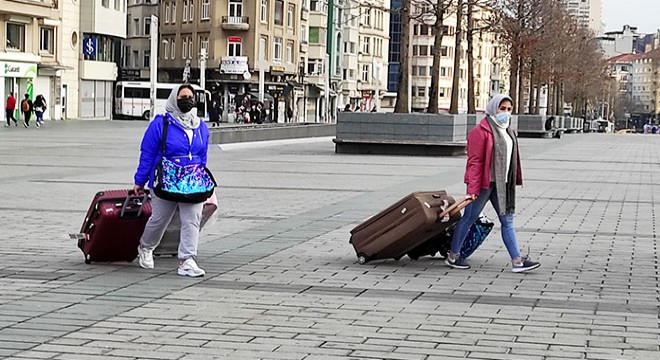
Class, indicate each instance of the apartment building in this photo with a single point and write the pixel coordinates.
(136, 52)
(365, 31)
(103, 27)
(241, 37)
(325, 58)
(31, 55)
(615, 43)
(588, 13)
(646, 83)
(488, 63)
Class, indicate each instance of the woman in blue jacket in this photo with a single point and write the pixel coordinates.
(186, 144)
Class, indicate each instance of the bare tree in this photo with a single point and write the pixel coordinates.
(455, 86)
(518, 23)
(440, 9)
(402, 105)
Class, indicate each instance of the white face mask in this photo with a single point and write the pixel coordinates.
(503, 117)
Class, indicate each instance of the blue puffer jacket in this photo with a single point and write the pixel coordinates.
(177, 147)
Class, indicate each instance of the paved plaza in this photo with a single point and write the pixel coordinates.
(284, 283)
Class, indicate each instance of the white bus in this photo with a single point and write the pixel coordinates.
(132, 99)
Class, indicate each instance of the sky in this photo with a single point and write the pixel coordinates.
(640, 13)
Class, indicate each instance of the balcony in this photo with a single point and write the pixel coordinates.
(241, 23)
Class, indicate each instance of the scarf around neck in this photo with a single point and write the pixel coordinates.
(505, 184)
(188, 120)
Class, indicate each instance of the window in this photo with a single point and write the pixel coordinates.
(316, 35)
(289, 16)
(277, 49)
(146, 60)
(136, 27)
(185, 12)
(421, 91)
(191, 11)
(366, 42)
(316, 5)
(191, 48)
(303, 34)
(173, 49)
(147, 26)
(365, 73)
(204, 43)
(423, 50)
(136, 58)
(289, 52)
(173, 18)
(165, 49)
(422, 71)
(206, 10)
(167, 13)
(279, 12)
(117, 4)
(264, 11)
(366, 17)
(47, 40)
(235, 8)
(234, 47)
(184, 48)
(315, 67)
(15, 36)
(105, 3)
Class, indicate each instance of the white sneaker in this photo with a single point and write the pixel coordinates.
(145, 257)
(189, 268)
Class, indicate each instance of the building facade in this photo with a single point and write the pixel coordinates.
(241, 38)
(103, 27)
(365, 31)
(615, 43)
(31, 55)
(588, 13)
(645, 83)
(488, 69)
(136, 51)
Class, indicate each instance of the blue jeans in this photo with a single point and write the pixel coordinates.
(40, 116)
(471, 214)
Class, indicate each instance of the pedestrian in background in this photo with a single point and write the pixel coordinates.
(214, 113)
(26, 108)
(10, 107)
(39, 109)
(186, 146)
(492, 172)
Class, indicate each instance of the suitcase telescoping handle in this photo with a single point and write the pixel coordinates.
(458, 206)
(132, 196)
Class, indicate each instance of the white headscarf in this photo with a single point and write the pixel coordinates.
(188, 120)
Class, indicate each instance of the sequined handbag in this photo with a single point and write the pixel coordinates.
(181, 183)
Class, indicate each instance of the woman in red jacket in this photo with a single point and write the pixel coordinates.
(492, 173)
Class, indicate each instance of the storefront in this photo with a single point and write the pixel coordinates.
(18, 78)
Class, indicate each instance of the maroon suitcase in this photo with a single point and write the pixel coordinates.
(405, 225)
(113, 226)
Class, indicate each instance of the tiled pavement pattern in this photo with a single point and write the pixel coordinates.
(282, 281)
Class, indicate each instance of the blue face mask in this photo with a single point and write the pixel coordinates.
(503, 117)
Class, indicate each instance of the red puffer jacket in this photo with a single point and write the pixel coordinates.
(480, 156)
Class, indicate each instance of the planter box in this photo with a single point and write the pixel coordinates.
(246, 133)
(410, 133)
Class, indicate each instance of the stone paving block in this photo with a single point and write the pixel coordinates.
(34, 355)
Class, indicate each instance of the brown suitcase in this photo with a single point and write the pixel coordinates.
(405, 225)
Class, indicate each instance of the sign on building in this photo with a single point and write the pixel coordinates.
(234, 65)
(89, 46)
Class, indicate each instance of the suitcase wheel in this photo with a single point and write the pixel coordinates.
(88, 261)
(362, 259)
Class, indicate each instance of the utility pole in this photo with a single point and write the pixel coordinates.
(328, 55)
(202, 69)
(153, 59)
(262, 71)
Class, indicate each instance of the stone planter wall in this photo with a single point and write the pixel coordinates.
(428, 128)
